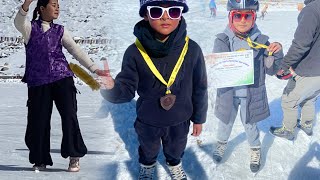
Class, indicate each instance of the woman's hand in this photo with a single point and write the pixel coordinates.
(102, 72)
(26, 4)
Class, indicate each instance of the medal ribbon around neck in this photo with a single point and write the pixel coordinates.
(255, 45)
(155, 70)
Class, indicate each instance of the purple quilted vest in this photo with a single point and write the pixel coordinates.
(46, 62)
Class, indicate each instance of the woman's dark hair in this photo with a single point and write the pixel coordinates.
(36, 11)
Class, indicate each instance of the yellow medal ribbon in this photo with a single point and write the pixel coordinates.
(155, 70)
(255, 45)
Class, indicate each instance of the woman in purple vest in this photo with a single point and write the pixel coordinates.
(49, 79)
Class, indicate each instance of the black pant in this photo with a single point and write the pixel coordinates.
(40, 103)
(174, 141)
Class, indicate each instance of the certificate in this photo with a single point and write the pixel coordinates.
(230, 69)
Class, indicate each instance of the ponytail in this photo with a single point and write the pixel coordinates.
(36, 11)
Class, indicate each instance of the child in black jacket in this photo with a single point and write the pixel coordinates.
(167, 70)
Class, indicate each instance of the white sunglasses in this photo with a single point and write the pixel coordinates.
(156, 12)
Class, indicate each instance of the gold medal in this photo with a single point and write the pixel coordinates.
(167, 101)
(268, 62)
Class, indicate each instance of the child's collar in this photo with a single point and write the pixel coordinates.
(40, 21)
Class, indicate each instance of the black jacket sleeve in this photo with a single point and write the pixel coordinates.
(303, 37)
(200, 91)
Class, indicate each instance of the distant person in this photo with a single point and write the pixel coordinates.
(213, 8)
(264, 11)
(167, 70)
(303, 60)
(49, 79)
(300, 6)
(252, 99)
(203, 5)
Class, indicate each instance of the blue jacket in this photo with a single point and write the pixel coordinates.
(190, 86)
(256, 94)
(212, 4)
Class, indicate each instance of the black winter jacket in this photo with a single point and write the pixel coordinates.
(190, 86)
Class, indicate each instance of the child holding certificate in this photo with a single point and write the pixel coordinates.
(243, 34)
(167, 70)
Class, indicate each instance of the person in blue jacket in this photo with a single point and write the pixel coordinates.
(213, 8)
(167, 70)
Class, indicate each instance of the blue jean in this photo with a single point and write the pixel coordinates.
(252, 131)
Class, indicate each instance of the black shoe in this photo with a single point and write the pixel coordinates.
(255, 160)
(38, 168)
(307, 127)
(282, 132)
(219, 151)
(74, 164)
(147, 171)
(177, 172)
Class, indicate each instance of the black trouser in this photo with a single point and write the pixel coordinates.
(40, 103)
(174, 141)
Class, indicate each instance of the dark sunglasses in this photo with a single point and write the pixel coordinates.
(156, 12)
(237, 16)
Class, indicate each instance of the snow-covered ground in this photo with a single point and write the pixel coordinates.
(108, 128)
